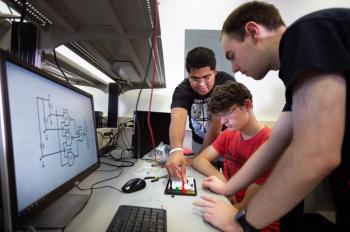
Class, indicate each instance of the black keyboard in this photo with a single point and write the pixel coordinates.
(136, 218)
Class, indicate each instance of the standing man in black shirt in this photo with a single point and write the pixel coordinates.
(311, 138)
(191, 98)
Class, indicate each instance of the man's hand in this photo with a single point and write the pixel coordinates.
(176, 160)
(219, 214)
(214, 184)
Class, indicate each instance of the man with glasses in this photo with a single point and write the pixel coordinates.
(233, 103)
(191, 98)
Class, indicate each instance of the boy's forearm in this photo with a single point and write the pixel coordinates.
(205, 167)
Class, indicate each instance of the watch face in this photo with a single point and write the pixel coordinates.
(240, 218)
(241, 213)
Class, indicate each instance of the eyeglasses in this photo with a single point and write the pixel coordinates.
(198, 80)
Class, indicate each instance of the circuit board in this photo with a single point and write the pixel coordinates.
(179, 187)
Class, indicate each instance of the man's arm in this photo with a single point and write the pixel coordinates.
(264, 158)
(202, 163)
(318, 128)
(213, 131)
(176, 137)
(250, 193)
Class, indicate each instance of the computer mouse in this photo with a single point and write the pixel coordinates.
(134, 185)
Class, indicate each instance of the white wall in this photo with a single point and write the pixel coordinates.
(100, 98)
(178, 15)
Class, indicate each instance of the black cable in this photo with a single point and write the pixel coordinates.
(91, 188)
(121, 159)
(110, 144)
(9, 8)
(145, 77)
(101, 181)
(110, 141)
(110, 170)
(125, 163)
(122, 132)
(138, 97)
(101, 187)
(54, 54)
(100, 134)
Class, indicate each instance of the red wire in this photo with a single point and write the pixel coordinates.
(153, 75)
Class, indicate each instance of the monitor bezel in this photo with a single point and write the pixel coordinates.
(48, 199)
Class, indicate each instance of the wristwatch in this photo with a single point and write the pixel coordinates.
(240, 218)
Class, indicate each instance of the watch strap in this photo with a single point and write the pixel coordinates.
(241, 219)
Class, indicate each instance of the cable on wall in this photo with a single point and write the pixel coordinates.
(153, 75)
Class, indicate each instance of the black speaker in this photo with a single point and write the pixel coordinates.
(112, 120)
(24, 41)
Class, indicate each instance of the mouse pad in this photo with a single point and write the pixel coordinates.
(176, 187)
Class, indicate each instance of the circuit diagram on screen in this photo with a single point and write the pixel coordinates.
(60, 134)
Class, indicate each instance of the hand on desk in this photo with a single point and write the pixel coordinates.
(218, 213)
(214, 184)
(176, 165)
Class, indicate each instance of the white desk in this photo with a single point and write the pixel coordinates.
(181, 214)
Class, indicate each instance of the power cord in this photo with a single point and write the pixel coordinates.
(59, 67)
(152, 51)
(91, 188)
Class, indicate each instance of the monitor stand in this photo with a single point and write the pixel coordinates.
(60, 213)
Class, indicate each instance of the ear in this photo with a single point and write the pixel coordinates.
(252, 29)
(248, 104)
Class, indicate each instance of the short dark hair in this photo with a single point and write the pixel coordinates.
(227, 95)
(259, 12)
(200, 57)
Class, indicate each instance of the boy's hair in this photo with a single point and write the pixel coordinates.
(227, 95)
(200, 57)
(259, 12)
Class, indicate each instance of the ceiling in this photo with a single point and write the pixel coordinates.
(113, 35)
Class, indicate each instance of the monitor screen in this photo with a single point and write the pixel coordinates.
(50, 136)
(142, 141)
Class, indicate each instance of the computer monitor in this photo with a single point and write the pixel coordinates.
(141, 139)
(47, 139)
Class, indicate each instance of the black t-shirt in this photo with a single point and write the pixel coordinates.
(196, 105)
(321, 41)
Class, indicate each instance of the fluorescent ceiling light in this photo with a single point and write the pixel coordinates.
(5, 12)
(72, 56)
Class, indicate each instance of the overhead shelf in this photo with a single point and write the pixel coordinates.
(113, 35)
